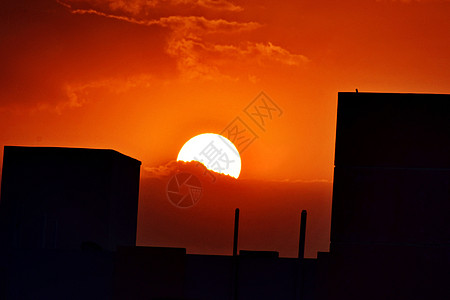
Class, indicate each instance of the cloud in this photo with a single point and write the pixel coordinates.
(164, 172)
(219, 4)
(75, 95)
(181, 25)
(211, 4)
(53, 61)
(173, 167)
(180, 46)
(198, 26)
(78, 94)
(145, 7)
(198, 57)
(260, 52)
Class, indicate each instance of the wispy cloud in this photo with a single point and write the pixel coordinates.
(221, 4)
(144, 7)
(200, 59)
(77, 94)
(197, 57)
(190, 43)
(182, 25)
(164, 172)
(261, 52)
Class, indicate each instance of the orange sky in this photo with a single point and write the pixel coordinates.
(142, 77)
(269, 213)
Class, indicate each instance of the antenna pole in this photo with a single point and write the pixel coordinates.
(236, 232)
(301, 242)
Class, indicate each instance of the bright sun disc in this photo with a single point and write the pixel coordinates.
(216, 152)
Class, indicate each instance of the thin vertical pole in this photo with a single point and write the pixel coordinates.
(301, 255)
(236, 231)
(301, 241)
(234, 287)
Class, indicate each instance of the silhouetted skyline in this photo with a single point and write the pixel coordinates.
(69, 219)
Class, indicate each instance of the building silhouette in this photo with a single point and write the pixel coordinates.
(390, 229)
(63, 198)
(390, 234)
(63, 212)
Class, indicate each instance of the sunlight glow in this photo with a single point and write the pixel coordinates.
(216, 152)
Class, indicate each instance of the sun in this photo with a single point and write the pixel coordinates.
(216, 152)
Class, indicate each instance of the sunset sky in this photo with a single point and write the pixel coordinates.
(144, 76)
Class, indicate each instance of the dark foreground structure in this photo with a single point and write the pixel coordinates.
(62, 213)
(390, 226)
(65, 198)
(390, 235)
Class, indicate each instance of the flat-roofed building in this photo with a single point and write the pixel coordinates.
(67, 198)
(390, 230)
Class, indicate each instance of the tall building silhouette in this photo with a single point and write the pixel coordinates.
(67, 198)
(390, 231)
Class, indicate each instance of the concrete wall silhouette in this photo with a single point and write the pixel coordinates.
(67, 198)
(392, 167)
(390, 235)
(170, 273)
(63, 212)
